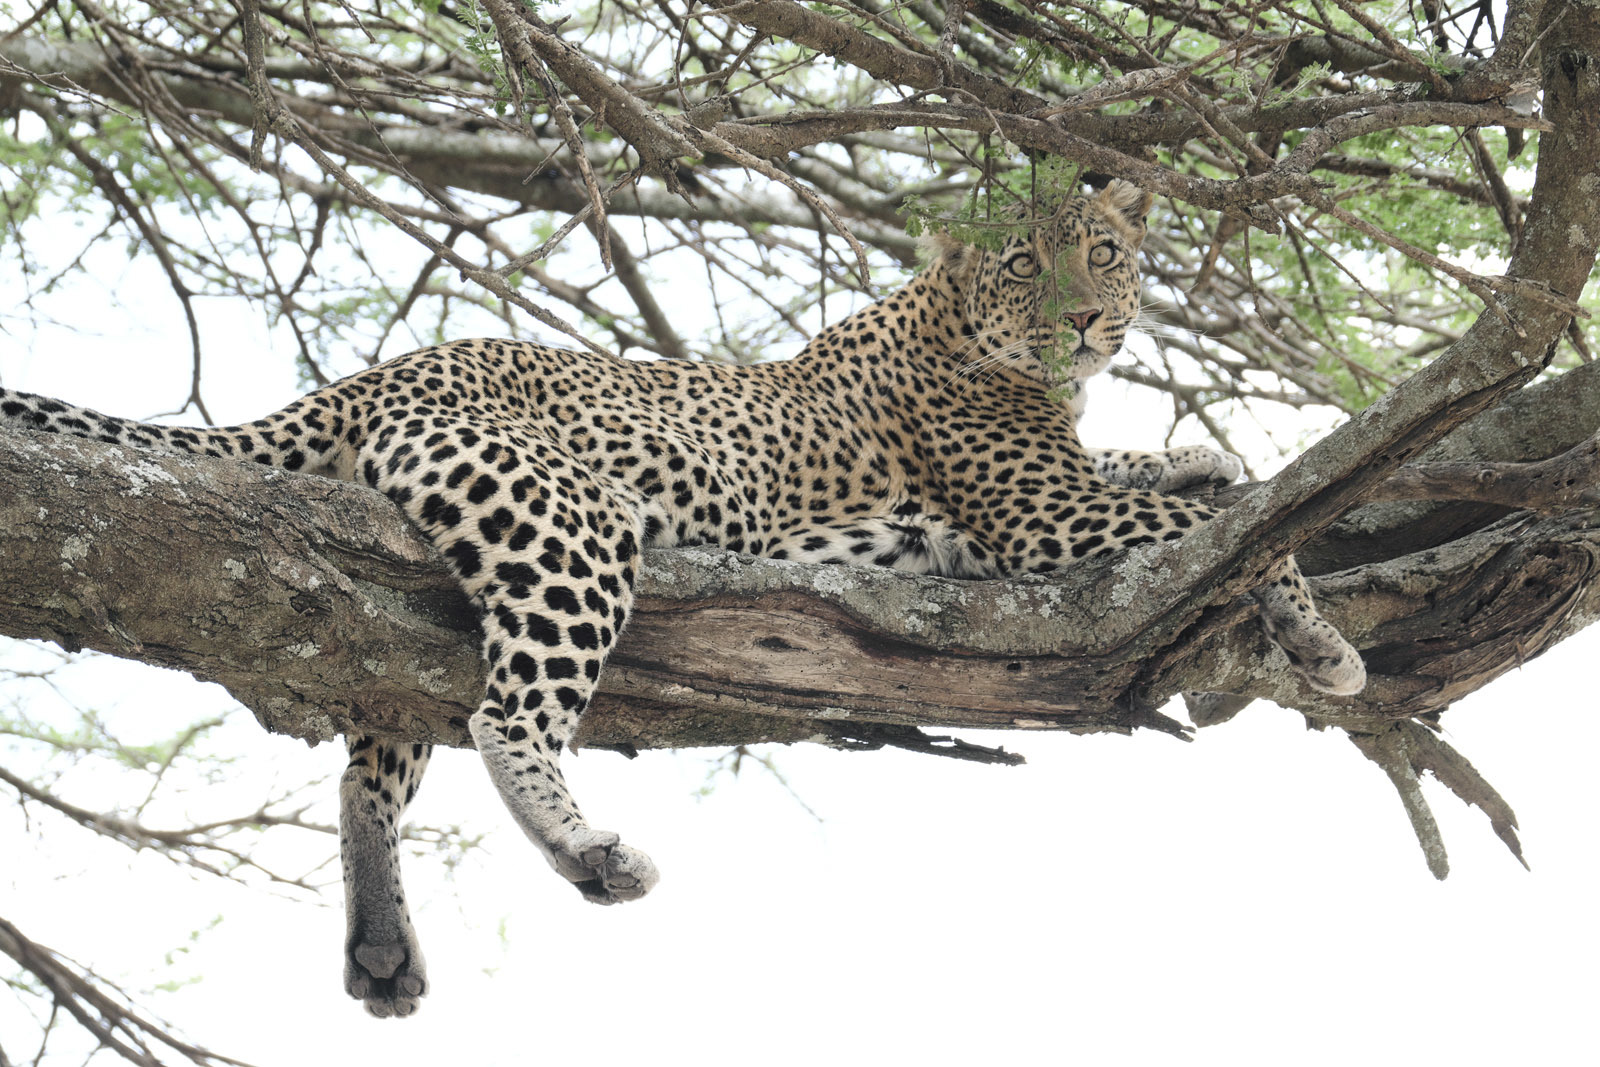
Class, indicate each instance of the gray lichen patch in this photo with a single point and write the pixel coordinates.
(285, 715)
(296, 574)
(315, 729)
(435, 680)
(141, 473)
(1136, 574)
(74, 549)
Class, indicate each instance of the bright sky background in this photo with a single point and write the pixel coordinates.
(1255, 897)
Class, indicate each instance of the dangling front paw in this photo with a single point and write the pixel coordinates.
(604, 870)
(1321, 654)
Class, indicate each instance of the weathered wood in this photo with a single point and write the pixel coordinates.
(318, 606)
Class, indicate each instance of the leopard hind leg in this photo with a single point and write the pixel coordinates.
(383, 959)
(547, 551)
(546, 637)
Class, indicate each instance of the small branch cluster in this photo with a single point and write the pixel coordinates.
(98, 1007)
(470, 129)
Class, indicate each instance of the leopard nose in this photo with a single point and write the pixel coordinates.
(1082, 319)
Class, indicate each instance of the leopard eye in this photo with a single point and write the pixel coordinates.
(1023, 265)
(1102, 255)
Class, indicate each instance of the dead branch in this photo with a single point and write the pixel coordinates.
(1404, 750)
(99, 1007)
(1570, 480)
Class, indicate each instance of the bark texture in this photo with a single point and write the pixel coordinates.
(318, 606)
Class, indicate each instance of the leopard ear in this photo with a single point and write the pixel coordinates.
(1125, 206)
(958, 257)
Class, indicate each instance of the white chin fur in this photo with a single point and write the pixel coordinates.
(1088, 364)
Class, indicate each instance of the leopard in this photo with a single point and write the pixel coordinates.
(925, 432)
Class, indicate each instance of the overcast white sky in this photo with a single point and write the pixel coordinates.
(1255, 897)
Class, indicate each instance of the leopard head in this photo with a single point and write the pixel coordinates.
(1056, 299)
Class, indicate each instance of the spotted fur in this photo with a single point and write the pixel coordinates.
(920, 433)
(1168, 471)
(1164, 472)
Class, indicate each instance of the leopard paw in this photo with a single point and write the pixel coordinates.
(1198, 465)
(1171, 471)
(1320, 654)
(603, 869)
(1226, 468)
(389, 978)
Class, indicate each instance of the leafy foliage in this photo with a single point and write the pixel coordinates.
(1344, 315)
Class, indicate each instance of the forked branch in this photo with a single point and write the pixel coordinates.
(1404, 751)
(103, 1010)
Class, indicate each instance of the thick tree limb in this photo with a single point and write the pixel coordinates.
(1561, 483)
(1534, 424)
(321, 608)
(1396, 543)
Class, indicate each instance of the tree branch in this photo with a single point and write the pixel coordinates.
(1490, 361)
(99, 1007)
(883, 60)
(323, 610)
(1404, 750)
(1570, 480)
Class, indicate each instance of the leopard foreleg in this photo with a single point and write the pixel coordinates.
(918, 543)
(1166, 472)
(1315, 649)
